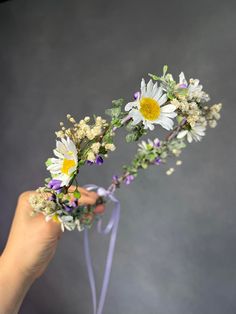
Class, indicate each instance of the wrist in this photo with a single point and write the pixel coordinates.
(14, 284)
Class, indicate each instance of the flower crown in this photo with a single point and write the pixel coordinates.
(178, 107)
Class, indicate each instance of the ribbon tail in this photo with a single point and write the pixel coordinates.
(90, 270)
(116, 217)
(111, 227)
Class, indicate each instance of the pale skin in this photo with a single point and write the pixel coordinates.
(31, 245)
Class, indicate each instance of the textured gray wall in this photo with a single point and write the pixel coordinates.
(176, 244)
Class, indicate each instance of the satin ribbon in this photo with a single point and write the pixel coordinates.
(111, 227)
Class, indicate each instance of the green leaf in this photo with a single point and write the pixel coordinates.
(179, 119)
(117, 102)
(129, 126)
(48, 162)
(163, 155)
(152, 156)
(102, 150)
(81, 163)
(117, 122)
(108, 112)
(144, 165)
(154, 77)
(116, 111)
(60, 195)
(170, 95)
(165, 69)
(77, 194)
(182, 91)
(113, 112)
(131, 137)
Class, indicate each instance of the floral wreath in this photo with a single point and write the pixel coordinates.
(179, 107)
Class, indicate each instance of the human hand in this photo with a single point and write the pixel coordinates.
(32, 241)
(30, 247)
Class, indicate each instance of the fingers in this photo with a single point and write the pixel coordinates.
(87, 197)
(99, 209)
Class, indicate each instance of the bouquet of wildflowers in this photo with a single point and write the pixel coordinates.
(180, 107)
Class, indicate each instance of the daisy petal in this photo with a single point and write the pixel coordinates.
(60, 147)
(168, 108)
(130, 105)
(143, 87)
(150, 88)
(189, 137)
(165, 122)
(163, 99)
(182, 134)
(56, 153)
(150, 126)
(158, 93)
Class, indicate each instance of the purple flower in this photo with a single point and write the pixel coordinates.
(55, 184)
(157, 161)
(99, 160)
(129, 179)
(183, 86)
(115, 178)
(156, 142)
(71, 206)
(89, 162)
(52, 198)
(137, 95)
(68, 208)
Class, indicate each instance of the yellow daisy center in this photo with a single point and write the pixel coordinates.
(67, 164)
(149, 108)
(55, 218)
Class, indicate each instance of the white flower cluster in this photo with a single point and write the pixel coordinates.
(189, 109)
(94, 149)
(195, 92)
(40, 204)
(213, 115)
(82, 130)
(190, 105)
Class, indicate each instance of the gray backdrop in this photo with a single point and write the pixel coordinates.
(175, 252)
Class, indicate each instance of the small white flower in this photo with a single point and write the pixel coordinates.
(195, 133)
(179, 162)
(149, 107)
(67, 222)
(91, 156)
(182, 81)
(212, 123)
(78, 224)
(194, 88)
(63, 167)
(95, 147)
(170, 171)
(144, 146)
(110, 146)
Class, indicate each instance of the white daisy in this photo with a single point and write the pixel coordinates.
(148, 107)
(195, 133)
(65, 164)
